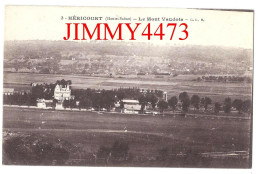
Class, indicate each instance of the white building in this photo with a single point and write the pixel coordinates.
(131, 106)
(59, 106)
(165, 96)
(8, 91)
(62, 92)
(42, 103)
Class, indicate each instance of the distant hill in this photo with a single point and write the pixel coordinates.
(110, 57)
(62, 49)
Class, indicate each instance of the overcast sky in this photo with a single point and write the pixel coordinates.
(220, 28)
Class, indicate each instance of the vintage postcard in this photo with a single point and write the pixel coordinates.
(127, 87)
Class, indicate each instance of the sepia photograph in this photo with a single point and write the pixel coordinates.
(127, 87)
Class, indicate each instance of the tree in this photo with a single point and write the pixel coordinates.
(162, 105)
(195, 100)
(205, 102)
(97, 100)
(119, 150)
(121, 105)
(185, 100)
(227, 105)
(72, 103)
(143, 101)
(54, 101)
(66, 103)
(104, 153)
(153, 99)
(17, 65)
(217, 107)
(247, 106)
(238, 104)
(173, 102)
(120, 95)
(64, 82)
(69, 82)
(108, 99)
(85, 102)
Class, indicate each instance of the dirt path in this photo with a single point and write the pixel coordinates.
(87, 130)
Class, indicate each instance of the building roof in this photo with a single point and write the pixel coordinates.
(130, 101)
(62, 87)
(42, 100)
(8, 90)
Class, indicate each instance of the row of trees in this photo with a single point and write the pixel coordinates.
(197, 102)
(225, 78)
(45, 91)
(92, 98)
(20, 99)
(184, 99)
(86, 98)
(107, 98)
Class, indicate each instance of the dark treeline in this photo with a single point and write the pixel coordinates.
(106, 98)
(91, 98)
(99, 99)
(83, 98)
(20, 99)
(225, 79)
(185, 102)
(45, 91)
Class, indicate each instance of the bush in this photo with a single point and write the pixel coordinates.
(116, 153)
(24, 151)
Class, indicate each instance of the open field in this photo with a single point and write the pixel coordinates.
(152, 141)
(173, 85)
